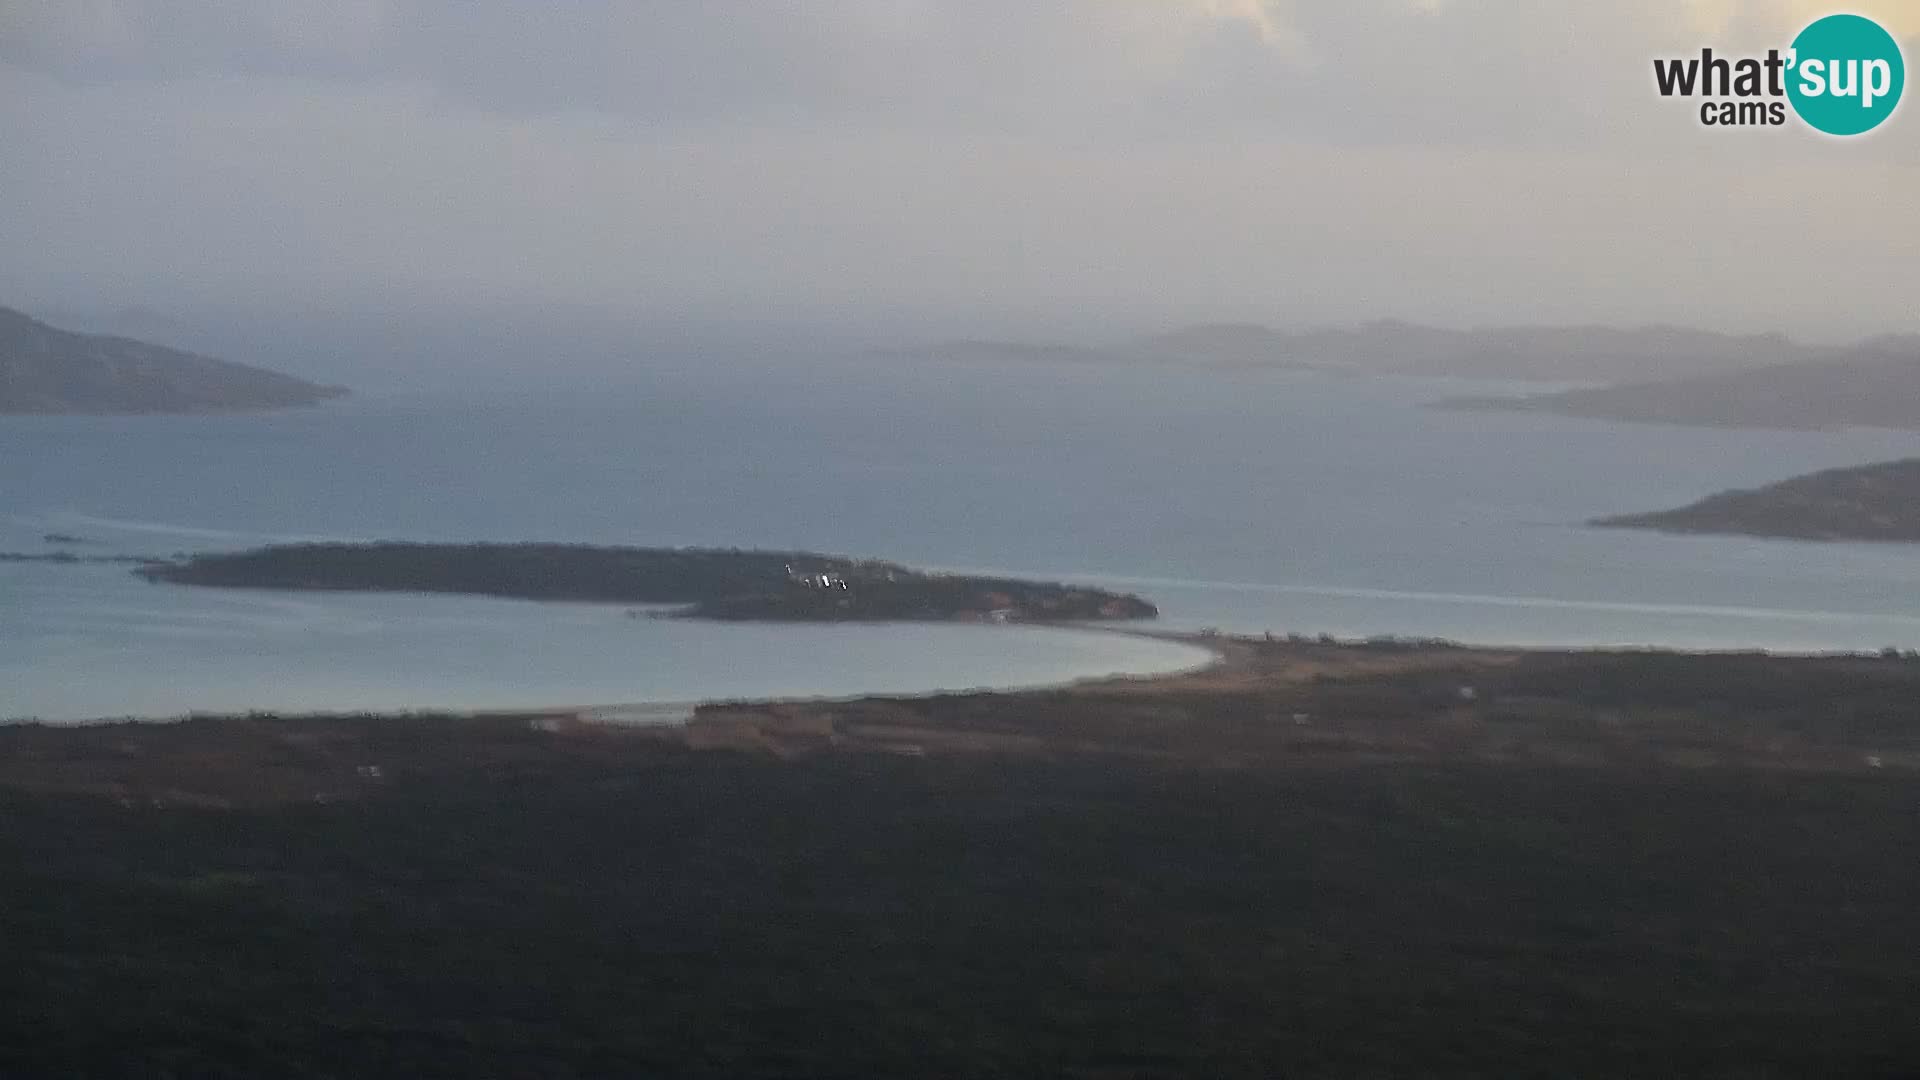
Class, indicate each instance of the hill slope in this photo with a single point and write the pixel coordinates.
(1868, 502)
(48, 370)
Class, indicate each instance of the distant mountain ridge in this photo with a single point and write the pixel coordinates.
(1867, 502)
(1541, 354)
(46, 370)
(1875, 384)
(1544, 353)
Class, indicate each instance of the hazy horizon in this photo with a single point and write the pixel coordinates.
(893, 172)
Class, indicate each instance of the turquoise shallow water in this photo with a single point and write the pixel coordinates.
(90, 646)
(1247, 501)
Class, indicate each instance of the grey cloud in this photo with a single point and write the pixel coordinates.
(1365, 70)
(1085, 160)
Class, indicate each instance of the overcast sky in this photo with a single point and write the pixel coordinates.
(1006, 162)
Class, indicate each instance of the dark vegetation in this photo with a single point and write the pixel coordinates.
(47, 370)
(1320, 861)
(1285, 705)
(712, 583)
(1869, 502)
(711, 915)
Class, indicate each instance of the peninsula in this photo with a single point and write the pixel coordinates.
(45, 370)
(1868, 502)
(1874, 384)
(702, 582)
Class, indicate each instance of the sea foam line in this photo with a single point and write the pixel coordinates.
(1353, 592)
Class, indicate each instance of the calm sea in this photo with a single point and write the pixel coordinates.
(1247, 501)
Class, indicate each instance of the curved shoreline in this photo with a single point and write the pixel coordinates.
(1220, 653)
(1259, 704)
(1099, 667)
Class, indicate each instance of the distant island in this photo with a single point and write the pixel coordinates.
(1546, 353)
(1875, 384)
(1391, 347)
(704, 583)
(44, 370)
(1869, 502)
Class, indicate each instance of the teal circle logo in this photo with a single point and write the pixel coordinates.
(1847, 75)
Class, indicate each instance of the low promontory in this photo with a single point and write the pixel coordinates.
(1868, 502)
(699, 582)
(49, 371)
